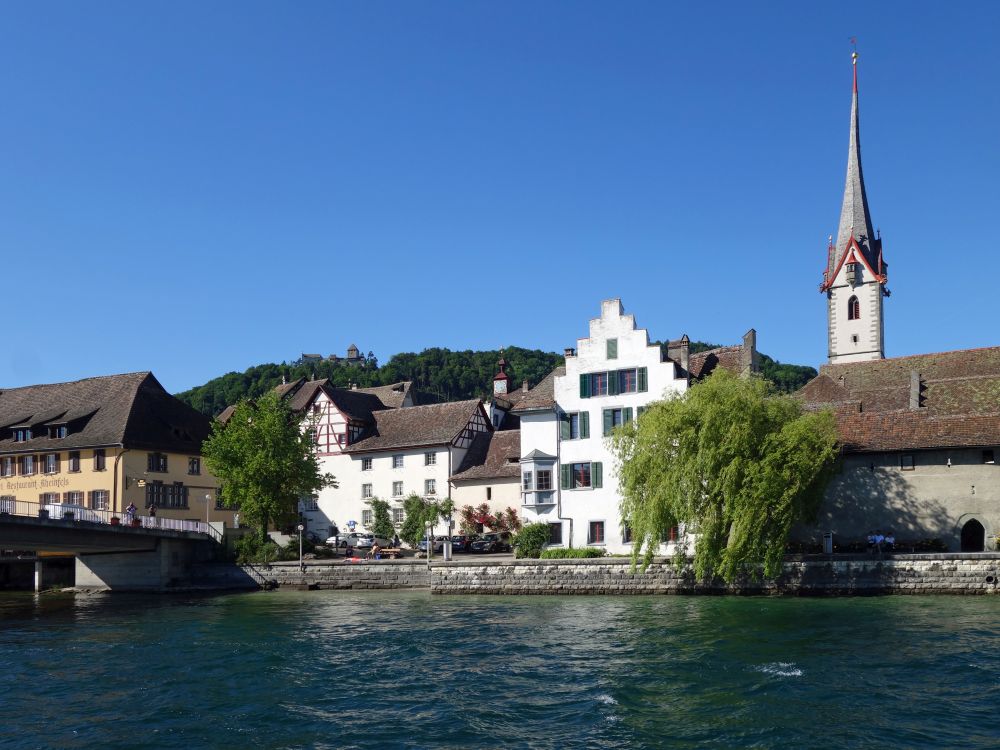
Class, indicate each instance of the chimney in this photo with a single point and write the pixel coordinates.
(916, 386)
(749, 360)
(524, 385)
(569, 352)
(680, 352)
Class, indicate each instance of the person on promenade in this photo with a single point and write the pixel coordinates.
(890, 542)
(871, 543)
(152, 514)
(375, 552)
(879, 541)
(395, 541)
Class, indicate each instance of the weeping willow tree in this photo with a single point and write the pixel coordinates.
(731, 461)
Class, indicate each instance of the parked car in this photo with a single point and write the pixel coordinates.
(461, 542)
(343, 540)
(365, 541)
(497, 541)
(438, 544)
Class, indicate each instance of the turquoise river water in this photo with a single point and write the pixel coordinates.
(408, 670)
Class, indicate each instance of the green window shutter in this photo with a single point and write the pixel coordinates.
(564, 427)
(613, 383)
(639, 411)
(584, 424)
(596, 474)
(608, 422)
(642, 384)
(627, 415)
(585, 386)
(565, 476)
(612, 348)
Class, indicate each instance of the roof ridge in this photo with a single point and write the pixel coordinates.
(74, 382)
(909, 356)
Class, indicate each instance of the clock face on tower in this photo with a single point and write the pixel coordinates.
(499, 386)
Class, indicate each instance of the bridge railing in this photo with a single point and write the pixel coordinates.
(80, 513)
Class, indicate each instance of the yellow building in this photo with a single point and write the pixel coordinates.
(103, 443)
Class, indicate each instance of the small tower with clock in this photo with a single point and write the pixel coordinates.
(501, 381)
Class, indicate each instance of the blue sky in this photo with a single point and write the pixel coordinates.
(194, 188)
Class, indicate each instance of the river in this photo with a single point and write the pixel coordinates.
(408, 670)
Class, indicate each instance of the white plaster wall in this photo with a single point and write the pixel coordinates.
(344, 503)
(505, 493)
(580, 506)
(868, 328)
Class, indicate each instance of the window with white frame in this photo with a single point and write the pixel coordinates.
(51, 497)
(366, 518)
(74, 461)
(398, 515)
(99, 459)
(397, 461)
(543, 480)
(527, 483)
(99, 499)
(73, 498)
(51, 463)
(27, 466)
(430, 459)
(366, 491)
(595, 532)
(397, 489)
(309, 503)
(366, 464)
(430, 486)
(8, 466)
(194, 465)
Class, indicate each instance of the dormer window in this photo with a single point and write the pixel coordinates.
(57, 431)
(22, 434)
(853, 308)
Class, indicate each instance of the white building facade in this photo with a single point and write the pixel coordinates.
(569, 475)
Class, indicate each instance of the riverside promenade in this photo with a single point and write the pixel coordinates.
(815, 575)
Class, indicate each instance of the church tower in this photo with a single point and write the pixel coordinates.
(855, 276)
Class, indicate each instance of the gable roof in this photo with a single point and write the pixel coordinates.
(943, 399)
(131, 409)
(492, 455)
(701, 364)
(392, 396)
(542, 396)
(415, 426)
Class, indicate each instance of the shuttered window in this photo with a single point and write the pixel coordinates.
(581, 475)
(575, 426)
(615, 418)
(612, 348)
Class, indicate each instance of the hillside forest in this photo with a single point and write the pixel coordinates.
(438, 374)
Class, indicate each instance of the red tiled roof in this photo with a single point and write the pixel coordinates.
(435, 424)
(492, 455)
(958, 400)
(702, 364)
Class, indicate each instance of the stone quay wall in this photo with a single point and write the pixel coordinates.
(336, 574)
(834, 576)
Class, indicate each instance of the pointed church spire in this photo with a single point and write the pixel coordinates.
(854, 217)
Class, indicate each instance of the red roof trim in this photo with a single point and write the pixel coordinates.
(852, 245)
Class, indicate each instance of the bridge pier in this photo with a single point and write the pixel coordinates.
(166, 566)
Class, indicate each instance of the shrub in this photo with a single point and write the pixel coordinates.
(578, 552)
(531, 540)
(251, 549)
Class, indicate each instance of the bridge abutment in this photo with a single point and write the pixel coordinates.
(165, 567)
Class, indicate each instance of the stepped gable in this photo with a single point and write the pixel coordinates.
(542, 396)
(416, 426)
(132, 409)
(944, 399)
(492, 455)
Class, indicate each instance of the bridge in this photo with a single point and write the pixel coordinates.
(140, 554)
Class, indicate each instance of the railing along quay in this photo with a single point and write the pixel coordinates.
(82, 514)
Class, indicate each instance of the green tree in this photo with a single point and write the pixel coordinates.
(265, 462)
(381, 519)
(419, 513)
(735, 463)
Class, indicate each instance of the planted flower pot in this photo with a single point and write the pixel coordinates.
(116, 521)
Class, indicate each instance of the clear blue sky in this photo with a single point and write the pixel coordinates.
(194, 188)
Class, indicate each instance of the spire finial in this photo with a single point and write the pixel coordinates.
(854, 61)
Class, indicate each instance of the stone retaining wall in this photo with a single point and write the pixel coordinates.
(839, 576)
(903, 574)
(386, 574)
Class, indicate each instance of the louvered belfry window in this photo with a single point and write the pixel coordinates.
(853, 308)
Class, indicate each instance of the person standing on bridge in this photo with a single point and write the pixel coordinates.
(130, 513)
(152, 514)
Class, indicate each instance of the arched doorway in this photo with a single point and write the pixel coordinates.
(973, 536)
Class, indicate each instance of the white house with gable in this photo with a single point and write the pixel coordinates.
(569, 477)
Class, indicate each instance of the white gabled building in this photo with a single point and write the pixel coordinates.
(569, 476)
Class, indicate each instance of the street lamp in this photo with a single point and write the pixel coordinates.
(301, 528)
(208, 500)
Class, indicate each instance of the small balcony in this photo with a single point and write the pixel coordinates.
(538, 499)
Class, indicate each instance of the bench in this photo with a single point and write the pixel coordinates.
(391, 553)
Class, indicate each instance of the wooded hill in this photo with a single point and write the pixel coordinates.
(438, 375)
